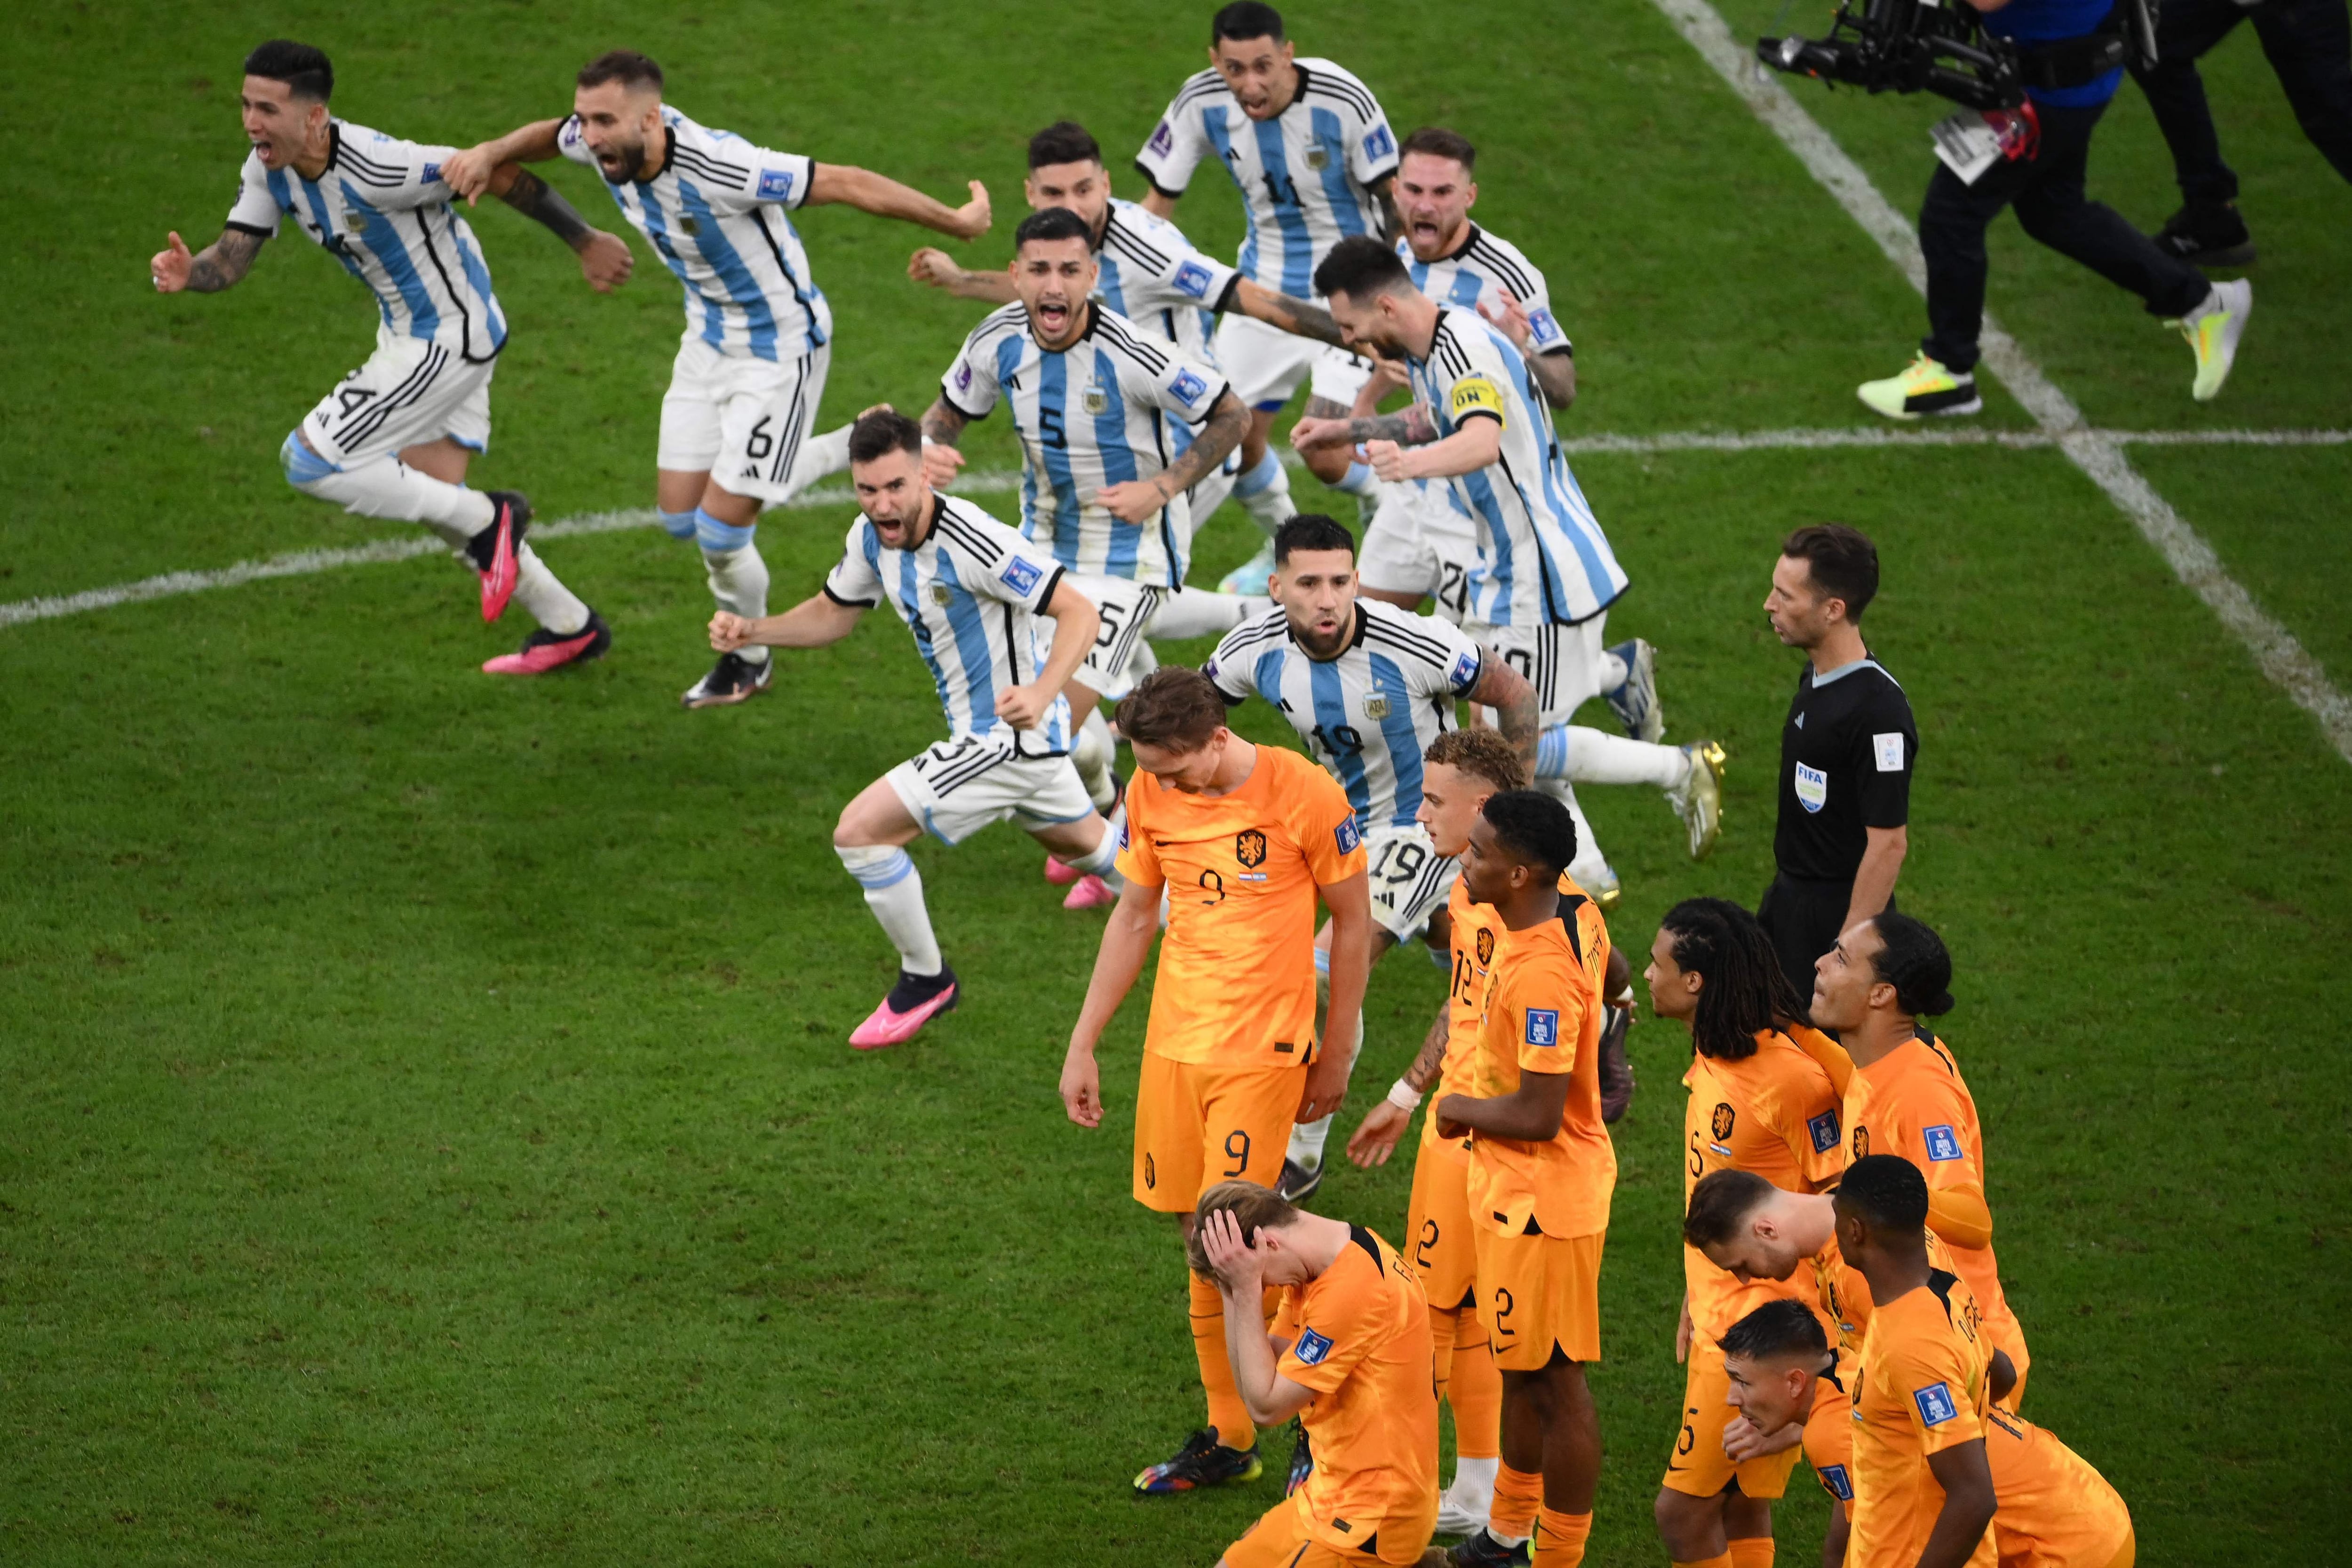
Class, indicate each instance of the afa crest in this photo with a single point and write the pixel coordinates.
(1486, 946)
(1725, 1119)
(1249, 847)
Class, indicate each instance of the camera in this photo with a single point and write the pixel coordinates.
(1906, 46)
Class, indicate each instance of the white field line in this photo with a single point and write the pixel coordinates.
(303, 563)
(2097, 454)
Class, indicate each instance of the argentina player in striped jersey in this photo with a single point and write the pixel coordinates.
(1092, 400)
(394, 439)
(1151, 274)
(739, 421)
(1367, 687)
(971, 591)
(1545, 578)
(1310, 150)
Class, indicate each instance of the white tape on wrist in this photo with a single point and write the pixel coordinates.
(1404, 1096)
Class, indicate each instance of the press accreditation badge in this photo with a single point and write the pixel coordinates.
(1966, 145)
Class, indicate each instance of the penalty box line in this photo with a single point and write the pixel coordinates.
(307, 562)
(2096, 453)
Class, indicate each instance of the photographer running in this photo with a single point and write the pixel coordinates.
(2044, 146)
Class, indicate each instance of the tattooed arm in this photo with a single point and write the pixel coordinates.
(941, 426)
(1409, 427)
(1138, 499)
(220, 265)
(1391, 221)
(1516, 715)
(1293, 315)
(605, 259)
(1376, 1137)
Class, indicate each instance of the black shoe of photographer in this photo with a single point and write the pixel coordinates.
(2208, 237)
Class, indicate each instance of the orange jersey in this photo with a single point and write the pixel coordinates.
(1236, 982)
(1358, 1337)
(1912, 1101)
(2056, 1511)
(1474, 928)
(1542, 1013)
(1922, 1387)
(1774, 1114)
(1845, 1294)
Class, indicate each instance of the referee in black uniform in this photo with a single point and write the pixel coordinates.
(1846, 754)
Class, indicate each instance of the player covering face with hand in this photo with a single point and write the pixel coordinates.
(395, 438)
(972, 591)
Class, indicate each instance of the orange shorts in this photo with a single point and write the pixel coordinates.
(1539, 1294)
(1438, 1236)
(1196, 1125)
(1698, 1467)
(1280, 1539)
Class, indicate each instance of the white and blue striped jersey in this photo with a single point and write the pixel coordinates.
(382, 210)
(1151, 274)
(1478, 272)
(1101, 411)
(1542, 558)
(716, 214)
(1305, 175)
(1367, 714)
(971, 594)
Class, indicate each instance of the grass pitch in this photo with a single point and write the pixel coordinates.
(427, 1132)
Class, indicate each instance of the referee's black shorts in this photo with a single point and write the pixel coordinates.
(1803, 918)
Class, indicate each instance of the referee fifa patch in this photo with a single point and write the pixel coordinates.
(1888, 749)
(1543, 1026)
(1474, 395)
(1936, 1405)
(1813, 788)
(1824, 1130)
(1311, 1348)
(1943, 1143)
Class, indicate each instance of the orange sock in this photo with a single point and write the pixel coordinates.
(1227, 1413)
(1442, 1324)
(1476, 1391)
(1518, 1495)
(1751, 1552)
(1560, 1538)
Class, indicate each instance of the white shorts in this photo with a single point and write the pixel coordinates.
(411, 390)
(1562, 663)
(1409, 880)
(1420, 542)
(1266, 365)
(959, 787)
(1125, 607)
(740, 420)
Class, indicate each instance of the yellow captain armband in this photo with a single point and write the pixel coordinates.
(1474, 395)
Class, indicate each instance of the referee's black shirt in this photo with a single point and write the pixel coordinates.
(1846, 756)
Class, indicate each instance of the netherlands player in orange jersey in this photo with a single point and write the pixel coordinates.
(1755, 1230)
(1241, 839)
(1922, 1493)
(1542, 1171)
(1760, 1103)
(1908, 1097)
(2052, 1509)
(1349, 1355)
(1460, 770)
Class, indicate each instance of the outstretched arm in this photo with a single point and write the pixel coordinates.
(605, 258)
(218, 265)
(814, 622)
(885, 198)
(1375, 1137)
(468, 172)
(1293, 315)
(933, 266)
(1474, 446)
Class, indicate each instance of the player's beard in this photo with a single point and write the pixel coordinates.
(632, 158)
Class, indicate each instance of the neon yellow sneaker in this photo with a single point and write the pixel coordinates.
(2213, 330)
(1924, 387)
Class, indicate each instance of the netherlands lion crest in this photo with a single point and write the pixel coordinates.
(1724, 1119)
(1249, 847)
(1485, 948)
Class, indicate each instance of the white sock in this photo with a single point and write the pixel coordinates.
(1585, 756)
(1199, 613)
(1590, 861)
(820, 456)
(739, 581)
(1093, 754)
(1610, 672)
(894, 891)
(1476, 1475)
(1104, 860)
(551, 603)
(389, 488)
(1264, 493)
(1358, 481)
